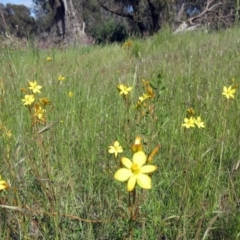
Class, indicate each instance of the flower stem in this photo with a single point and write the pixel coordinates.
(223, 138)
(132, 200)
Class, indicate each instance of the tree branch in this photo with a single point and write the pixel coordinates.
(121, 14)
(207, 9)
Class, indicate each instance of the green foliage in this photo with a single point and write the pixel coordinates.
(109, 32)
(61, 179)
(21, 23)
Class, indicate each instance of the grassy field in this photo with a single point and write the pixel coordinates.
(60, 171)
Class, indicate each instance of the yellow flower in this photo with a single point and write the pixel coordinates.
(148, 87)
(34, 87)
(28, 99)
(123, 89)
(3, 184)
(135, 172)
(228, 92)
(39, 112)
(143, 98)
(137, 146)
(189, 122)
(70, 94)
(61, 78)
(116, 148)
(49, 59)
(199, 122)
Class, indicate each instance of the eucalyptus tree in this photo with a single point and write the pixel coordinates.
(148, 15)
(17, 20)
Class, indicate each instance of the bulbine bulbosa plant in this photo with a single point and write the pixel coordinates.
(137, 174)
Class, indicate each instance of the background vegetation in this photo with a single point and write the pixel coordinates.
(116, 20)
(61, 180)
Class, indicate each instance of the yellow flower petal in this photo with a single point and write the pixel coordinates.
(116, 144)
(123, 174)
(111, 150)
(144, 181)
(139, 158)
(148, 168)
(120, 150)
(138, 140)
(127, 162)
(131, 183)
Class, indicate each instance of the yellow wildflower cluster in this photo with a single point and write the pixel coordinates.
(39, 112)
(61, 78)
(143, 100)
(148, 88)
(191, 121)
(127, 45)
(37, 106)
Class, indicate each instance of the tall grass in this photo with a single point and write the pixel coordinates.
(62, 184)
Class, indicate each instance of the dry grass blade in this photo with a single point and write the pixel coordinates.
(47, 127)
(209, 228)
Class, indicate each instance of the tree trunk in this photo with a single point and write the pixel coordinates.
(155, 16)
(76, 26)
(67, 21)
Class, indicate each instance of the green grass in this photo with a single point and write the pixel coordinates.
(62, 179)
